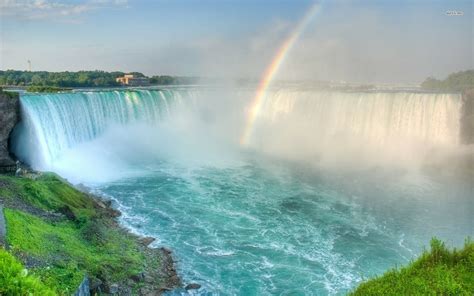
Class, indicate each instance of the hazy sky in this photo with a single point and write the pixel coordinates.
(359, 41)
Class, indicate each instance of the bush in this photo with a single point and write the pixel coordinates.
(459, 81)
(15, 280)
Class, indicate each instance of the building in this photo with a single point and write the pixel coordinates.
(131, 80)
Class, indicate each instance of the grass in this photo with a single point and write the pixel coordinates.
(15, 280)
(46, 89)
(88, 243)
(439, 271)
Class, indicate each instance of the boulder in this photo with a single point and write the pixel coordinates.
(192, 286)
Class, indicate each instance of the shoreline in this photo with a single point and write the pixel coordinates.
(154, 273)
(173, 280)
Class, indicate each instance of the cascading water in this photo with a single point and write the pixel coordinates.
(243, 223)
(56, 122)
(390, 125)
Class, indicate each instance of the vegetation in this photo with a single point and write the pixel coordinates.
(437, 272)
(45, 89)
(63, 250)
(15, 280)
(60, 79)
(10, 94)
(52, 80)
(172, 80)
(459, 81)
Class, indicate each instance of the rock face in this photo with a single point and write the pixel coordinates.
(467, 117)
(9, 117)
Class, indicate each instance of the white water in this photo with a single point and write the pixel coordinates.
(244, 224)
(340, 126)
(316, 126)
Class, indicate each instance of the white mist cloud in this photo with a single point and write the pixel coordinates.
(52, 9)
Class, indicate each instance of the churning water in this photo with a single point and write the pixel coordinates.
(325, 195)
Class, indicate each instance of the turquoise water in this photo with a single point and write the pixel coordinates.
(264, 228)
(331, 190)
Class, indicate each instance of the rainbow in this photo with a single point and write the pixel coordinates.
(272, 69)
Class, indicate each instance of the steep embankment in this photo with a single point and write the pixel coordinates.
(9, 117)
(61, 235)
(467, 117)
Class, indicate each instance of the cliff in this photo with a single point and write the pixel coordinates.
(467, 117)
(9, 117)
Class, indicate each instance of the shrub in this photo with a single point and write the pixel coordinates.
(15, 280)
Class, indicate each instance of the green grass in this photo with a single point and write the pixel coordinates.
(46, 89)
(15, 279)
(68, 249)
(438, 272)
(49, 192)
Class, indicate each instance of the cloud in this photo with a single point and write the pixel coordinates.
(53, 9)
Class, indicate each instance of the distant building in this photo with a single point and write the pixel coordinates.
(131, 80)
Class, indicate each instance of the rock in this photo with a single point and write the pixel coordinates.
(192, 286)
(165, 289)
(146, 241)
(9, 117)
(138, 277)
(95, 286)
(467, 117)
(66, 211)
(100, 204)
(114, 289)
(166, 251)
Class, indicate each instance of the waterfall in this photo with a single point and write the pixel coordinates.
(306, 124)
(349, 124)
(53, 123)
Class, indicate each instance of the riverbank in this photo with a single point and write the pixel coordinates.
(61, 235)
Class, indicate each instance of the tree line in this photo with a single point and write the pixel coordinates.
(80, 78)
(458, 81)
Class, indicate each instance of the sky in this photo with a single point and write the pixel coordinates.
(356, 41)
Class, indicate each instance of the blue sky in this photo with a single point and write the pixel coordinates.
(360, 41)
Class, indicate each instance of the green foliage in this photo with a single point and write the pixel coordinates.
(49, 192)
(46, 89)
(172, 80)
(15, 280)
(459, 81)
(68, 249)
(60, 79)
(42, 81)
(10, 94)
(437, 272)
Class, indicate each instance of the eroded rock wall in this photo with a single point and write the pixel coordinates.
(467, 117)
(9, 117)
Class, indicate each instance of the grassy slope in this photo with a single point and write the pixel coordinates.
(66, 249)
(15, 280)
(438, 272)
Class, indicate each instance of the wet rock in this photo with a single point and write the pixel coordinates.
(114, 289)
(9, 117)
(166, 251)
(95, 286)
(192, 286)
(138, 277)
(146, 241)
